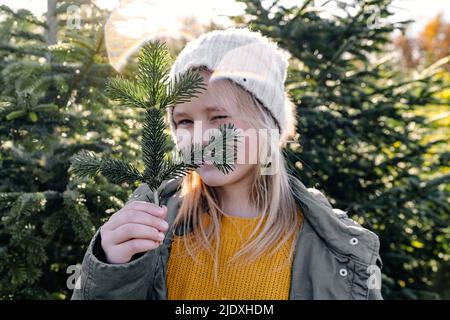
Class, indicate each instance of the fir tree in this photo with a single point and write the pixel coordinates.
(359, 136)
(51, 106)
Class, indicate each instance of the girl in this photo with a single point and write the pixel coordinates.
(254, 233)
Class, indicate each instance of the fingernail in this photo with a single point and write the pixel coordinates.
(161, 236)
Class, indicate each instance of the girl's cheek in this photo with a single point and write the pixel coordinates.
(184, 138)
(245, 142)
(247, 149)
(240, 124)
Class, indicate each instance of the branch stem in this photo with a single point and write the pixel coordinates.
(156, 197)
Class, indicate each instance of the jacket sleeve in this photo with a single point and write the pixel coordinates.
(101, 280)
(375, 293)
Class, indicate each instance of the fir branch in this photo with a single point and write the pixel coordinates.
(174, 170)
(183, 88)
(85, 164)
(126, 92)
(22, 14)
(153, 141)
(192, 154)
(88, 164)
(153, 71)
(79, 215)
(118, 171)
(222, 148)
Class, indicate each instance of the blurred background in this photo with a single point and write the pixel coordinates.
(370, 78)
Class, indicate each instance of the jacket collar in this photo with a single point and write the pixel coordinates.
(340, 233)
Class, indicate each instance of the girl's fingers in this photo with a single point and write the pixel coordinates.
(139, 217)
(134, 228)
(148, 207)
(129, 231)
(131, 247)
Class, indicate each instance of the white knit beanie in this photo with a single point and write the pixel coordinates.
(247, 58)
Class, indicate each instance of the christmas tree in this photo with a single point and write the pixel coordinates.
(52, 104)
(360, 137)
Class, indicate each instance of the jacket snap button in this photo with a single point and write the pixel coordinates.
(353, 241)
(343, 272)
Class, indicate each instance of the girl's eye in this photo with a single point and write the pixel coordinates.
(183, 121)
(219, 117)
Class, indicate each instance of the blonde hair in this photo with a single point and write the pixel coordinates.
(271, 194)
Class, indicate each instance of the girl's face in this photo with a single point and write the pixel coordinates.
(205, 112)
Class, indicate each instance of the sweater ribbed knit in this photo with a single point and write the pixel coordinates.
(264, 278)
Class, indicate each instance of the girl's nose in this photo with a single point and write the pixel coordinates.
(206, 137)
(207, 131)
(210, 132)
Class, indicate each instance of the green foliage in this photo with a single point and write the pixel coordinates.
(51, 106)
(151, 91)
(359, 139)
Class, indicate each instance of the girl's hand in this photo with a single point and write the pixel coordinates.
(138, 227)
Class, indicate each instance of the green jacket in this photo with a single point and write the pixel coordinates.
(335, 258)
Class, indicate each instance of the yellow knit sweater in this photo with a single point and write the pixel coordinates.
(265, 278)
